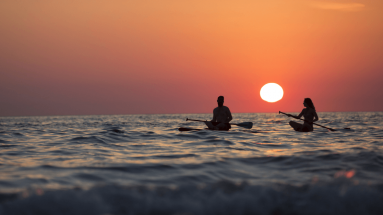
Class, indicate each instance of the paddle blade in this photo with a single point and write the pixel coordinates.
(248, 125)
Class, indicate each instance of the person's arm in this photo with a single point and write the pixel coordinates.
(214, 116)
(301, 114)
(316, 118)
(229, 117)
(297, 117)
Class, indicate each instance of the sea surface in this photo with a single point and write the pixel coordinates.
(142, 164)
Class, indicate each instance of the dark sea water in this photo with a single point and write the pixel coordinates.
(142, 164)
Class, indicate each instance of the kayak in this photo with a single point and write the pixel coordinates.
(189, 129)
(197, 129)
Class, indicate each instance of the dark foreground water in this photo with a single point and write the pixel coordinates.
(142, 164)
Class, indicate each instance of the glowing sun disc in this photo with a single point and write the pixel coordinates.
(271, 92)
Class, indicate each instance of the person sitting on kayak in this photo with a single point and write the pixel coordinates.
(309, 114)
(221, 117)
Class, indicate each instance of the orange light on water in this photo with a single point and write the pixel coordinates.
(347, 174)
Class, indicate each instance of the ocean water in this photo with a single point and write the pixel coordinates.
(142, 164)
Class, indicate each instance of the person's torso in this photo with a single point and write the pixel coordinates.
(309, 114)
(221, 114)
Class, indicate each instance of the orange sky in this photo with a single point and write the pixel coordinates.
(125, 57)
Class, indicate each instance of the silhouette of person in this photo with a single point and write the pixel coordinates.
(221, 117)
(310, 115)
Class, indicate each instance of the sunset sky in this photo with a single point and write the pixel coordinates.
(88, 57)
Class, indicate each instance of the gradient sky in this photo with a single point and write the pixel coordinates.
(125, 56)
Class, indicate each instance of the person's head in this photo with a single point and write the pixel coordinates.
(220, 101)
(308, 103)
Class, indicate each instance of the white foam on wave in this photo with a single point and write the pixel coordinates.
(219, 198)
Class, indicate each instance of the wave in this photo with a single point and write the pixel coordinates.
(88, 139)
(3, 141)
(224, 197)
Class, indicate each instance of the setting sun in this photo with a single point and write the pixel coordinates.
(271, 92)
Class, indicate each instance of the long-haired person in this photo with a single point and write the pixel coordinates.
(310, 115)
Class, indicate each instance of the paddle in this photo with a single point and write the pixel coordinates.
(248, 125)
(331, 129)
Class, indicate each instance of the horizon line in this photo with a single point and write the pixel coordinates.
(174, 113)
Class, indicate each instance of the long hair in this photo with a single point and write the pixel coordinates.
(309, 103)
